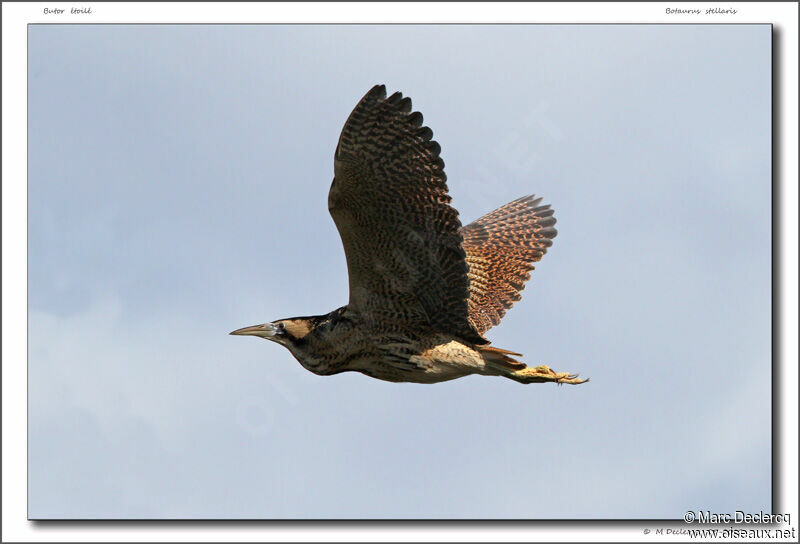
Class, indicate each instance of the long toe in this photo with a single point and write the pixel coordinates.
(571, 379)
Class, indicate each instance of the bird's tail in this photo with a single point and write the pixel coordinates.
(500, 359)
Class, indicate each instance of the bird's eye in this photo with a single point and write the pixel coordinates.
(281, 328)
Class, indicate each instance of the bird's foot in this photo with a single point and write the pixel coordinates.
(542, 374)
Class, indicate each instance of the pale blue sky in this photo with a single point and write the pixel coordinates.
(178, 180)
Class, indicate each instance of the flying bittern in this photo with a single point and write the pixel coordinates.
(423, 289)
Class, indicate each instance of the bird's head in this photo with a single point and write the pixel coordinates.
(307, 338)
(287, 332)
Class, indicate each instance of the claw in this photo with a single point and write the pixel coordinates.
(572, 379)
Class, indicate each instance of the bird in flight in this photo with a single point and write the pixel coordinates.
(423, 289)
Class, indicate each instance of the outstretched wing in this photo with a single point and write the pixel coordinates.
(401, 237)
(501, 247)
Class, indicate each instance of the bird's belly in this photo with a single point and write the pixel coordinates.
(443, 362)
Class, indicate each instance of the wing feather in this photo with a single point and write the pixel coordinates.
(406, 264)
(500, 248)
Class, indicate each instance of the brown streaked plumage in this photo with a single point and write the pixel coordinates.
(501, 247)
(423, 289)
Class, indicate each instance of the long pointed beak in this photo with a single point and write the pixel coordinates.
(267, 330)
